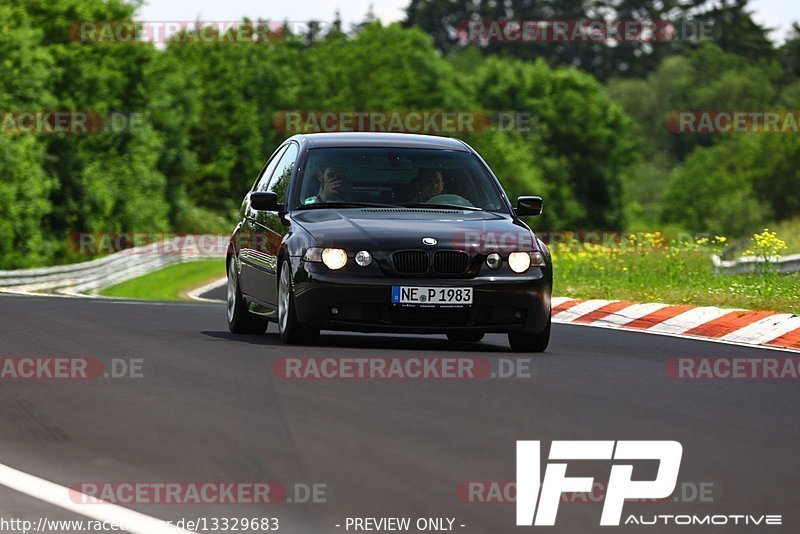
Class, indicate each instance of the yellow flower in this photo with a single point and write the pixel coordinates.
(768, 244)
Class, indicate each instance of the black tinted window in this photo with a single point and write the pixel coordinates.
(397, 177)
(263, 180)
(283, 173)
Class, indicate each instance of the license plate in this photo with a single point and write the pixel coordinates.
(431, 295)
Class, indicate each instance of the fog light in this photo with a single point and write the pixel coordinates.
(363, 258)
(494, 260)
(334, 311)
(517, 314)
(519, 261)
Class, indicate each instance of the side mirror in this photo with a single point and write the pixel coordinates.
(264, 201)
(529, 206)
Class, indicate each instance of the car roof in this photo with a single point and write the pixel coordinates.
(375, 139)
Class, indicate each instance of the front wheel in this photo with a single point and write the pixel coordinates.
(291, 329)
(240, 320)
(529, 341)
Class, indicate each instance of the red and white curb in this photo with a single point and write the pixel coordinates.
(764, 329)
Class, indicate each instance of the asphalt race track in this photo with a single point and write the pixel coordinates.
(210, 408)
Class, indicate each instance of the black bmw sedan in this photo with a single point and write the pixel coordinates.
(379, 232)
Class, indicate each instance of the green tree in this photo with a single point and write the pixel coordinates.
(24, 184)
(586, 137)
(107, 180)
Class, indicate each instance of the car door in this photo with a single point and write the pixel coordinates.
(269, 231)
(250, 238)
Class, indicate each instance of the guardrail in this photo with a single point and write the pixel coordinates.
(88, 278)
(752, 264)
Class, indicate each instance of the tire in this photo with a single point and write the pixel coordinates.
(240, 320)
(291, 329)
(529, 341)
(465, 337)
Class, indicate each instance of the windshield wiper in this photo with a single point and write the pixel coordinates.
(320, 205)
(440, 206)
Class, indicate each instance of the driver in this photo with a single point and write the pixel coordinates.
(334, 186)
(429, 184)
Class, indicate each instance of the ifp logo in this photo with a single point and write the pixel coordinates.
(620, 485)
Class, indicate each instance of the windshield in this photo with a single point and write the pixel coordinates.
(381, 177)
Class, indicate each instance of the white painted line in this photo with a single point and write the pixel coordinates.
(766, 329)
(56, 495)
(689, 319)
(629, 314)
(579, 310)
(195, 293)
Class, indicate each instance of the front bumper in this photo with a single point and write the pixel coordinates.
(346, 301)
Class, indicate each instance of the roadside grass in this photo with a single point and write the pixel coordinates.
(646, 269)
(672, 274)
(170, 282)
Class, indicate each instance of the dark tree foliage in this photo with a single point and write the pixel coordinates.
(729, 24)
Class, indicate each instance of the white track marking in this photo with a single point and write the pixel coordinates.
(689, 319)
(766, 329)
(60, 496)
(629, 314)
(195, 293)
(579, 310)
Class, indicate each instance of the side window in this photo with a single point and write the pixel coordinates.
(283, 172)
(263, 180)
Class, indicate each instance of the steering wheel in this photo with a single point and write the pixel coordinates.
(446, 198)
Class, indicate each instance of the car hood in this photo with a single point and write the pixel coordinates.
(404, 228)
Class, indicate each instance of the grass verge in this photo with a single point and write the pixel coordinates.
(170, 282)
(671, 276)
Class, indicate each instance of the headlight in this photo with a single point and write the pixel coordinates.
(519, 261)
(537, 259)
(494, 260)
(363, 258)
(334, 258)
